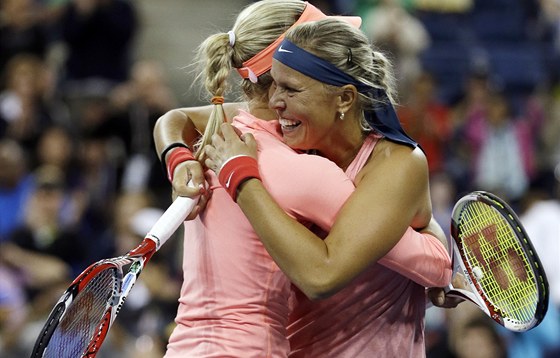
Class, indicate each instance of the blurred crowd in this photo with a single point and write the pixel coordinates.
(80, 179)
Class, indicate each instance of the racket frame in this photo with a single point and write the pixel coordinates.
(476, 294)
(135, 259)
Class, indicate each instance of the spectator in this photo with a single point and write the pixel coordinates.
(549, 154)
(23, 110)
(43, 232)
(550, 10)
(99, 184)
(98, 35)
(395, 31)
(427, 120)
(480, 339)
(57, 147)
(13, 312)
(503, 150)
(470, 106)
(540, 215)
(21, 30)
(137, 104)
(16, 184)
(42, 251)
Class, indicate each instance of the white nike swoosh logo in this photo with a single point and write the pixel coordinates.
(284, 50)
(228, 181)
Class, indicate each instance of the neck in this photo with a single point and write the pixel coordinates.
(344, 144)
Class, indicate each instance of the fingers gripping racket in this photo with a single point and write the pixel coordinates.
(492, 250)
(79, 322)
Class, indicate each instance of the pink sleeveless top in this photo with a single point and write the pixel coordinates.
(380, 314)
(235, 301)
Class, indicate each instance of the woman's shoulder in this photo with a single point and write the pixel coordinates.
(394, 160)
(388, 152)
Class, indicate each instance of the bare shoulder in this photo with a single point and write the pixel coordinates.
(398, 159)
(398, 171)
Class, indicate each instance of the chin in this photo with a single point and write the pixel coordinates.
(290, 142)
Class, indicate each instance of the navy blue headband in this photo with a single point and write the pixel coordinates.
(383, 118)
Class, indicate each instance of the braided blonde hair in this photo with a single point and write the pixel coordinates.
(256, 27)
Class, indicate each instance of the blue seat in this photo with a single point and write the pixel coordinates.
(505, 24)
(449, 62)
(519, 66)
(443, 26)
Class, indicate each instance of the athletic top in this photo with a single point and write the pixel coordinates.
(380, 314)
(235, 301)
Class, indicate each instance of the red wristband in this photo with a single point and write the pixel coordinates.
(235, 171)
(176, 157)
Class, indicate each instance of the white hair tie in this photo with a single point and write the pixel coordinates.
(231, 35)
(252, 77)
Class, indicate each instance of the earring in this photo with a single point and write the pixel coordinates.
(341, 117)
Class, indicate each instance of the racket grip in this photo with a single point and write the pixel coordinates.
(170, 220)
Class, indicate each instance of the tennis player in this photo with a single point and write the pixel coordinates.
(235, 301)
(333, 95)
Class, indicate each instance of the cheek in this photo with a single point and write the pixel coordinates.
(320, 115)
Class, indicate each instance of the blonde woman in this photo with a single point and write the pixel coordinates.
(333, 96)
(235, 301)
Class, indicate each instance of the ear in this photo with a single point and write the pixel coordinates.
(347, 98)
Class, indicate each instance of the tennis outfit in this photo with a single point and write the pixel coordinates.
(380, 314)
(235, 301)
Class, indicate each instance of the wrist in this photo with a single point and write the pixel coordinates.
(176, 156)
(168, 149)
(235, 171)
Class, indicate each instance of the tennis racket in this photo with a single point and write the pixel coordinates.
(492, 250)
(79, 322)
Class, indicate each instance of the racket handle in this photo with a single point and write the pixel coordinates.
(170, 220)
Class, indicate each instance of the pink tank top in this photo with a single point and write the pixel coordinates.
(235, 301)
(380, 314)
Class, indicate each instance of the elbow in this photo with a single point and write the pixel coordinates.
(315, 294)
(159, 126)
(168, 116)
(321, 287)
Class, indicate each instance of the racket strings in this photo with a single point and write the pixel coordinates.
(506, 277)
(79, 324)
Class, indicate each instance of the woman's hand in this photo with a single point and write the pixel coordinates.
(191, 170)
(230, 144)
(440, 299)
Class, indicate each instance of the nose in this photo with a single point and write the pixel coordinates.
(276, 100)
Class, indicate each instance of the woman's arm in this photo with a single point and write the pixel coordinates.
(184, 125)
(371, 222)
(421, 257)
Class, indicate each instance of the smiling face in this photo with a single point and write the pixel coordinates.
(306, 109)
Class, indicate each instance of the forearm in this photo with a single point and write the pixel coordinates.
(420, 257)
(299, 253)
(371, 220)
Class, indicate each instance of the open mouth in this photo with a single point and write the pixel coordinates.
(288, 125)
